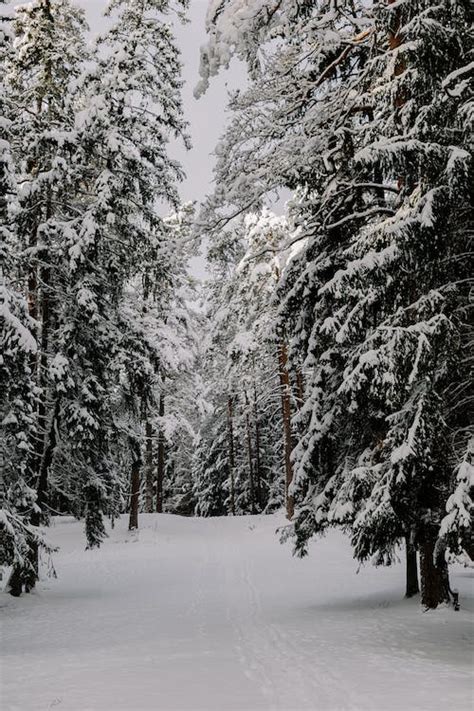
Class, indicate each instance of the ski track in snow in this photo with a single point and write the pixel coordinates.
(215, 615)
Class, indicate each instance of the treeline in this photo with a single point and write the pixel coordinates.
(364, 112)
(95, 321)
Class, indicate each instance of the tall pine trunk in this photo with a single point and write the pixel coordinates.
(35, 363)
(46, 434)
(39, 298)
(394, 41)
(38, 515)
(134, 495)
(258, 463)
(149, 474)
(434, 575)
(51, 440)
(43, 435)
(286, 412)
(160, 472)
(230, 425)
(250, 455)
(412, 586)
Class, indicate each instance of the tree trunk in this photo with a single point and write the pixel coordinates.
(395, 40)
(47, 459)
(160, 474)
(42, 492)
(434, 576)
(40, 366)
(149, 468)
(230, 424)
(38, 297)
(412, 586)
(258, 464)
(250, 455)
(46, 439)
(134, 495)
(15, 584)
(287, 438)
(299, 389)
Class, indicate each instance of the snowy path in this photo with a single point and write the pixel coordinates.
(215, 615)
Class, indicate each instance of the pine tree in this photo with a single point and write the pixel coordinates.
(47, 58)
(259, 349)
(406, 343)
(211, 468)
(399, 304)
(18, 349)
(353, 108)
(130, 107)
(155, 364)
(91, 154)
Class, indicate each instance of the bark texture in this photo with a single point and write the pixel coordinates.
(134, 496)
(160, 471)
(434, 576)
(258, 461)
(287, 438)
(15, 584)
(230, 427)
(149, 474)
(412, 585)
(250, 456)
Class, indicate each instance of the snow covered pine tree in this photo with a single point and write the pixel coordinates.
(378, 295)
(47, 56)
(402, 299)
(18, 349)
(131, 107)
(90, 155)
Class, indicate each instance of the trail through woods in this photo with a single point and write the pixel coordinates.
(214, 614)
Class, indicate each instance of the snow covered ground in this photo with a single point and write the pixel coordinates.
(214, 614)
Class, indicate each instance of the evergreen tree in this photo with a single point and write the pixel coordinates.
(256, 353)
(47, 58)
(211, 467)
(18, 349)
(88, 251)
(351, 106)
(130, 107)
(400, 302)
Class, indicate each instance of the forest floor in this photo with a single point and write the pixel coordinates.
(215, 615)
